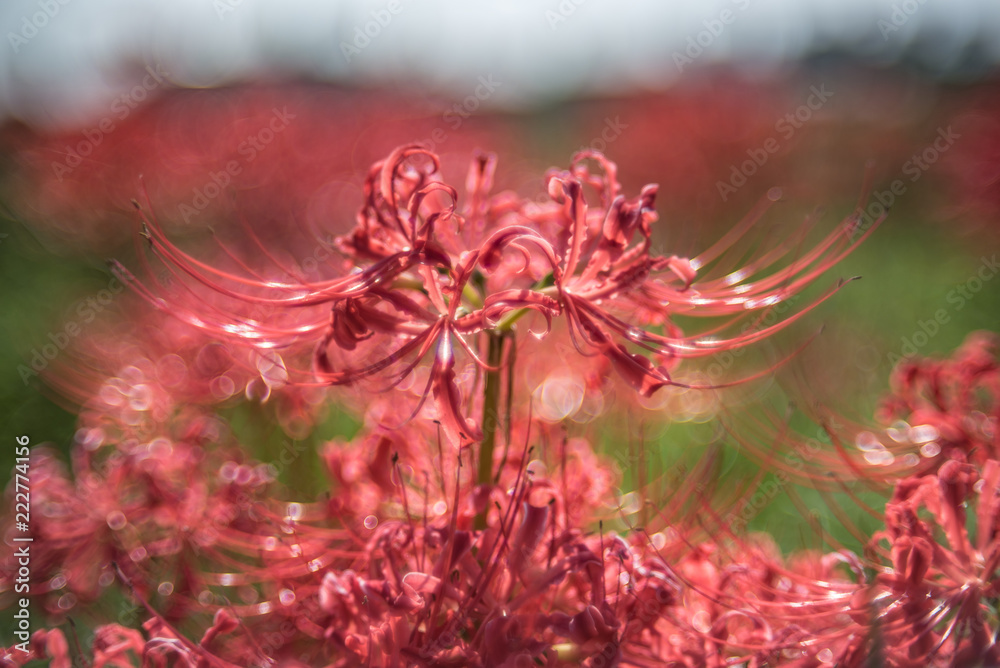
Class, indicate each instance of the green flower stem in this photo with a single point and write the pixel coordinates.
(506, 323)
(491, 414)
(470, 295)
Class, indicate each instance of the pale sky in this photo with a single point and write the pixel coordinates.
(64, 61)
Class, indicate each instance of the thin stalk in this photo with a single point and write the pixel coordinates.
(509, 401)
(491, 414)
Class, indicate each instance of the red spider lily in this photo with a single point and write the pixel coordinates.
(430, 277)
(395, 575)
(932, 600)
(948, 409)
(937, 604)
(418, 591)
(200, 153)
(698, 139)
(389, 570)
(938, 410)
(145, 508)
(411, 560)
(131, 371)
(970, 166)
(45, 645)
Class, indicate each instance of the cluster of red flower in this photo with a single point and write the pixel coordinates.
(420, 557)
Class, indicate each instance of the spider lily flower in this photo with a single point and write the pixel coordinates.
(942, 410)
(937, 596)
(428, 277)
(388, 571)
(193, 151)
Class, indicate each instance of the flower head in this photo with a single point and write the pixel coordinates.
(430, 278)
